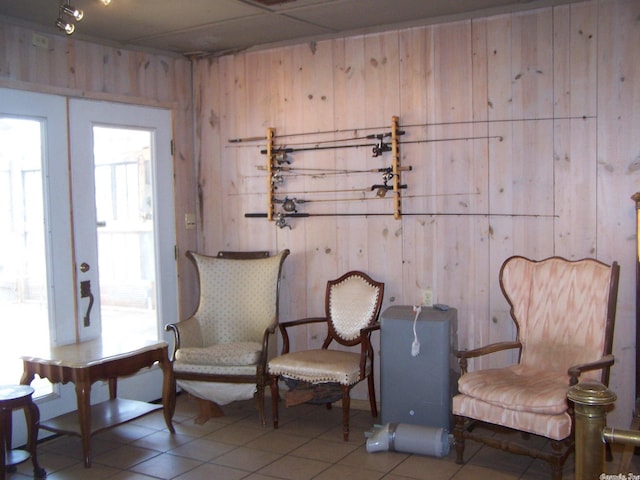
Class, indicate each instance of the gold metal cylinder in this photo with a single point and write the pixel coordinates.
(590, 400)
(618, 435)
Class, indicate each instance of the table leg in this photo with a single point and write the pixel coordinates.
(83, 393)
(32, 413)
(168, 392)
(3, 447)
(27, 375)
(113, 388)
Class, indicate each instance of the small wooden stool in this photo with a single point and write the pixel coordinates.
(13, 397)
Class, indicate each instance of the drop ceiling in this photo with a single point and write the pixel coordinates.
(217, 27)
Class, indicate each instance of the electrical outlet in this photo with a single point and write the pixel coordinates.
(427, 297)
(39, 41)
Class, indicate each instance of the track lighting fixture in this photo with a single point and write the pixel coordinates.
(67, 28)
(67, 9)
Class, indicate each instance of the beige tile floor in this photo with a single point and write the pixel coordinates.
(308, 445)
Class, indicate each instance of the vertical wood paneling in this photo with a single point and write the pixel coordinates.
(416, 67)
(575, 188)
(618, 176)
(288, 120)
(532, 64)
(382, 83)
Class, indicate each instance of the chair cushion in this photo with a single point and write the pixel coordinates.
(238, 298)
(561, 311)
(555, 427)
(352, 304)
(518, 389)
(319, 366)
(238, 353)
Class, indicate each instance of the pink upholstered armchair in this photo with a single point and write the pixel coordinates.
(565, 312)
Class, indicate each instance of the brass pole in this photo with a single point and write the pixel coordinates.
(590, 400)
(636, 198)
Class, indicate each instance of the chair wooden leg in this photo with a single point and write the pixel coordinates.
(556, 460)
(346, 405)
(207, 410)
(260, 403)
(275, 399)
(372, 397)
(458, 435)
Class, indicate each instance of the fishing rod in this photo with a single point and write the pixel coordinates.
(379, 148)
(281, 218)
(336, 171)
(372, 136)
(381, 189)
(290, 204)
(413, 125)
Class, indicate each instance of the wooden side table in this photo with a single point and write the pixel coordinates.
(88, 362)
(13, 397)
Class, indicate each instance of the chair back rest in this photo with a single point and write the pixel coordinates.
(238, 296)
(564, 311)
(352, 302)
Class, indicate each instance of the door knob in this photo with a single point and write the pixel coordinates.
(84, 267)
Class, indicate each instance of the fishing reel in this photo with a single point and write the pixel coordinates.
(289, 205)
(381, 148)
(277, 178)
(280, 156)
(281, 221)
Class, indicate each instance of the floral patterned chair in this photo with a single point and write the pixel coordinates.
(564, 312)
(221, 351)
(352, 307)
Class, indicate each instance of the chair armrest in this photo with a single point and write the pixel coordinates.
(463, 355)
(186, 334)
(369, 329)
(294, 323)
(366, 350)
(270, 330)
(575, 370)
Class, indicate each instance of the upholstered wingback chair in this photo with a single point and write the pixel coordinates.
(352, 307)
(564, 311)
(221, 351)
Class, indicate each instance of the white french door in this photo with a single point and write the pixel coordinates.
(86, 195)
(124, 227)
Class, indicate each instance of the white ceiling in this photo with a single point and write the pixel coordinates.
(221, 26)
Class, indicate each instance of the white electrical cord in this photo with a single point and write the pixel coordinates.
(415, 346)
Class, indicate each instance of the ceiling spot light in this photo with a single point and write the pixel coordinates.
(74, 12)
(105, 2)
(67, 28)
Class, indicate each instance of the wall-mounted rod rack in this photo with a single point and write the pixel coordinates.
(274, 170)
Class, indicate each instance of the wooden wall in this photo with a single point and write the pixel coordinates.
(76, 68)
(545, 105)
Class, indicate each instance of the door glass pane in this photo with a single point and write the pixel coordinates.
(23, 268)
(126, 245)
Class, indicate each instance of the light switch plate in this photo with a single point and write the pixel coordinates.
(190, 221)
